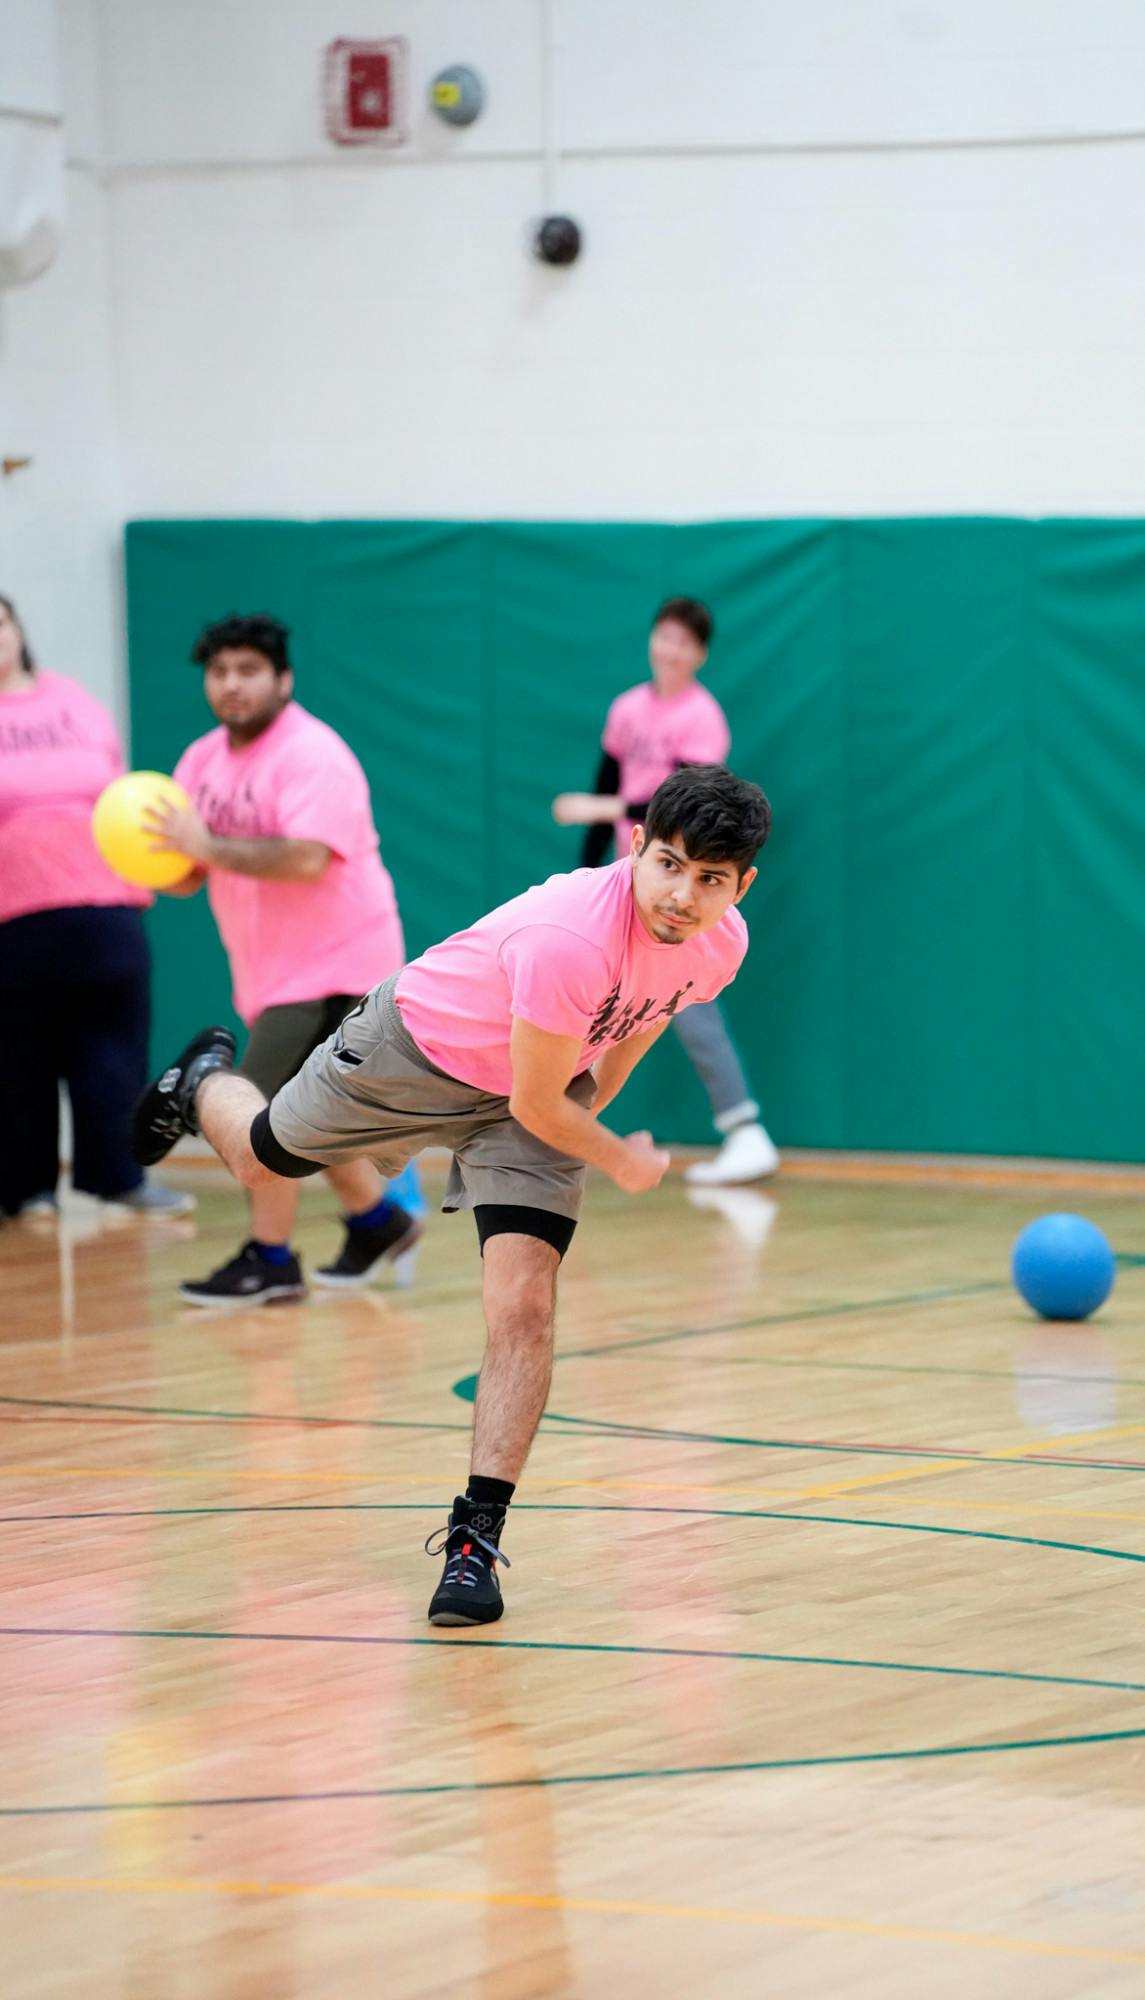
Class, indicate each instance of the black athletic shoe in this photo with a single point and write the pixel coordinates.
(248, 1280)
(469, 1593)
(366, 1250)
(166, 1109)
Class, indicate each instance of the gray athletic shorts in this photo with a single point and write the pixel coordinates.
(370, 1093)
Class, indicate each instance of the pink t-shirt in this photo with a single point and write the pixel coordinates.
(572, 957)
(650, 734)
(58, 749)
(296, 940)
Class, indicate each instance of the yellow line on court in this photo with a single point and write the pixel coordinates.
(790, 1496)
(937, 1468)
(586, 1905)
(222, 1473)
(1077, 1438)
(827, 1489)
(821, 1490)
(1033, 1510)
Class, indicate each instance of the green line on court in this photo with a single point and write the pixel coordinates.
(846, 1308)
(928, 1368)
(726, 1654)
(1100, 1549)
(231, 1416)
(466, 1390)
(862, 1757)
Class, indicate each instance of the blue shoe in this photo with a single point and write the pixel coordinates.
(406, 1191)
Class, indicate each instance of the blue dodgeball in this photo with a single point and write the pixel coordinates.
(1063, 1267)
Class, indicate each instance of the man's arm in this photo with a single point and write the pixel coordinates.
(597, 811)
(618, 1062)
(274, 860)
(180, 830)
(587, 809)
(543, 1067)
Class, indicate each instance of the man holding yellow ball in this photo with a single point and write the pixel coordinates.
(278, 824)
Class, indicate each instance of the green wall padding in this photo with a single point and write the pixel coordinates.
(948, 933)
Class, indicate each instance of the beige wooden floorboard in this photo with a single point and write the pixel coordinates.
(801, 1464)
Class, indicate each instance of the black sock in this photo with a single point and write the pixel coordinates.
(489, 1492)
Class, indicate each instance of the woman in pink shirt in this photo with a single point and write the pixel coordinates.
(74, 967)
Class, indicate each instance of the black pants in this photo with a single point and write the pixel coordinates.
(74, 1008)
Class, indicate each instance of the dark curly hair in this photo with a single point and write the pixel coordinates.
(716, 815)
(259, 631)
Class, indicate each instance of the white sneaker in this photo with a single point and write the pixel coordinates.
(39, 1204)
(747, 1154)
(149, 1198)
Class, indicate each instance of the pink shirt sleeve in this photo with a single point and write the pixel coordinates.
(556, 979)
(732, 955)
(708, 738)
(320, 801)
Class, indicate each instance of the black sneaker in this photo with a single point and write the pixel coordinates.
(469, 1593)
(366, 1250)
(248, 1280)
(166, 1109)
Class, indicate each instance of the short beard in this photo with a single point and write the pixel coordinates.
(242, 733)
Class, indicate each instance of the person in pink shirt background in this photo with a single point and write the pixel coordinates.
(651, 730)
(503, 1044)
(75, 975)
(281, 830)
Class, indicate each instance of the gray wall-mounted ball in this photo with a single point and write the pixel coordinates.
(457, 94)
(557, 240)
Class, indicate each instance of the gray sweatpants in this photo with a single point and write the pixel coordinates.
(715, 1059)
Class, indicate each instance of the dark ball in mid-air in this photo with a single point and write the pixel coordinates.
(557, 240)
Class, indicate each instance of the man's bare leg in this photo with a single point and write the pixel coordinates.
(225, 1105)
(519, 1291)
(519, 1294)
(358, 1186)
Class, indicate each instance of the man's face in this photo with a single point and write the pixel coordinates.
(675, 655)
(244, 692)
(678, 898)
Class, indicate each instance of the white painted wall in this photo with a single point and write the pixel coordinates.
(61, 517)
(811, 282)
(842, 256)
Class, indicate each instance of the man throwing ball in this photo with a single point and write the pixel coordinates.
(504, 1043)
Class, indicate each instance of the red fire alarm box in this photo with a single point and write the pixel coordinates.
(365, 92)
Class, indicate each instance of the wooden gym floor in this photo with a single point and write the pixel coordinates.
(821, 1674)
